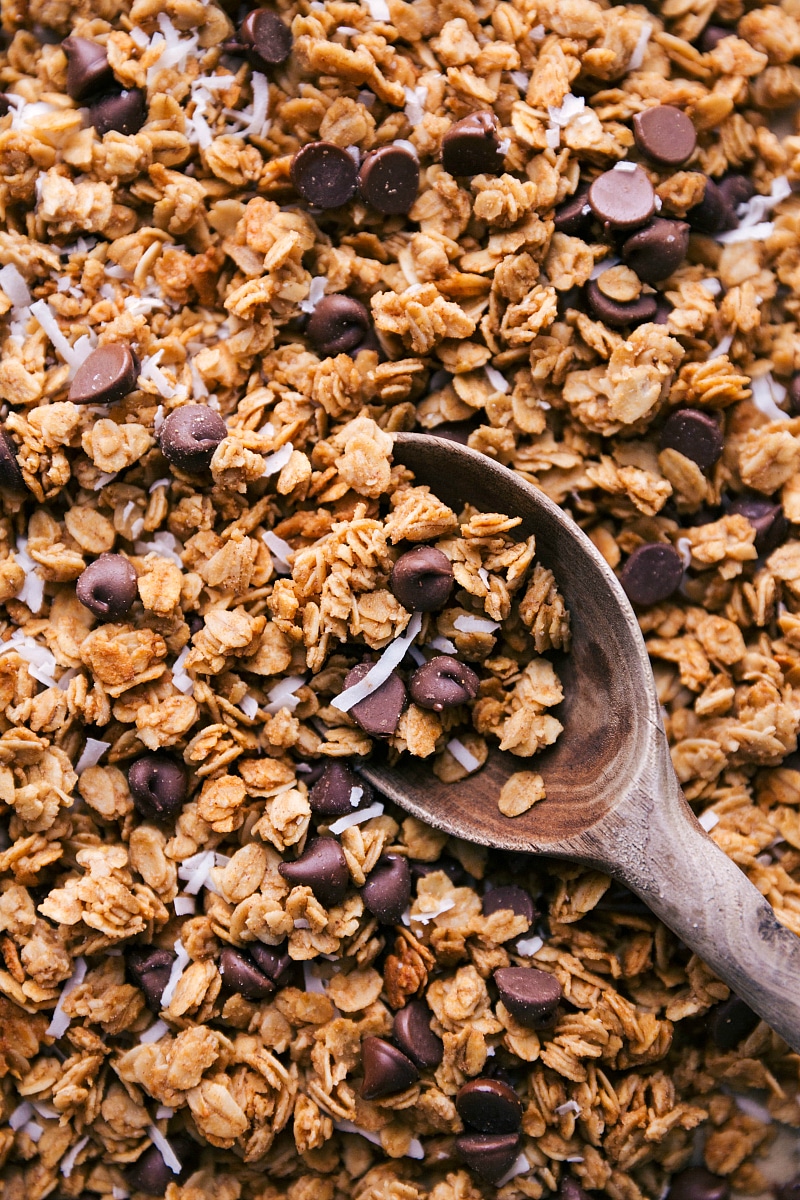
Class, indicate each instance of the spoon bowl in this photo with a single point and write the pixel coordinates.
(613, 801)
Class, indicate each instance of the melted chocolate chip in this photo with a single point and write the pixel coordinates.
(107, 375)
(338, 325)
(323, 867)
(767, 519)
(490, 1106)
(665, 135)
(622, 199)
(87, 67)
(388, 888)
(509, 899)
(422, 579)
(694, 434)
(412, 1032)
(158, 785)
(265, 37)
(490, 1155)
(532, 997)
(380, 712)
(324, 175)
(652, 573)
(242, 976)
(107, 587)
(190, 435)
(386, 1069)
(389, 179)
(118, 112)
(11, 480)
(150, 968)
(657, 250)
(472, 146)
(443, 682)
(617, 314)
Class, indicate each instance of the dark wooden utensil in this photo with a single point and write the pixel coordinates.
(613, 801)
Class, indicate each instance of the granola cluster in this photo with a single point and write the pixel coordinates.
(239, 249)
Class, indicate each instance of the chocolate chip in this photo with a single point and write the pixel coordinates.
(695, 435)
(151, 1175)
(330, 795)
(731, 1022)
(574, 216)
(713, 213)
(665, 134)
(119, 112)
(570, 1189)
(617, 314)
(490, 1106)
(107, 587)
(388, 888)
(767, 519)
(452, 869)
(338, 325)
(190, 435)
(443, 682)
(412, 1032)
(422, 579)
(158, 785)
(652, 573)
(389, 179)
(472, 146)
(108, 374)
(657, 250)
(456, 431)
(490, 1155)
(509, 899)
(267, 40)
(324, 174)
(150, 969)
(11, 480)
(87, 67)
(793, 393)
(697, 1183)
(623, 199)
(736, 189)
(273, 961)
(788, 1191)
(531, 996)
(711, 37)
(386, 1069)
(242, 976)
(380, 712)
(323, 867)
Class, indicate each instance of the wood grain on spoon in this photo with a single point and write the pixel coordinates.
(613, 800)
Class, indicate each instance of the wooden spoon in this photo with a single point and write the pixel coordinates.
(613, 800)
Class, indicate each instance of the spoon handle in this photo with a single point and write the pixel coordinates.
(663, 855)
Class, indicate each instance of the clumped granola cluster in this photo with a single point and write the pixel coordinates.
(239, 249)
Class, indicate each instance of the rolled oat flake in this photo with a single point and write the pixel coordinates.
(324, 175)
(623, 199)
(389, 179)
(108, 374)
(665, 135)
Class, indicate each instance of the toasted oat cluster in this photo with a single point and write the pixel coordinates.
(239, 249)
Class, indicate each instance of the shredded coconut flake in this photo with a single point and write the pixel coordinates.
(312, 981)
(70, 1158)
(538, 33)
(529, 946)
(154, 1032)
(379, 10)
(722, 347)
(284, 694)
(569, 107)
(164, 1112)
(349, 1127)
(249, 706)
(164, 544)
(161, 1144)
(119, 1193)
(315, 293)
(498, 381)
(15, 287)
(552, 136)
(415, 104)
(747, 233)
(392, 656)
(165, 483)
(462, 755)
(519, 1168)
(637, 58)
(103, 478)
(93, 751)
(195, 871)
(469, 624)
(356, 796)
(33, 1130)
(178, 967)
(708, 820)
(444, 644)
(711, 285)
(279, 551)
(425, 917)
(21, 1114)
(752, 1108)
(520, 79)
(151, 370)
(604, 265)
(60, 1021)
(184, 905)
(571, 1106)
(41, 663)
(357, 818)
(767, 395)
(404, 144)
(277, 461)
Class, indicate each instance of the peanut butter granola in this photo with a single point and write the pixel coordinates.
(239, 249)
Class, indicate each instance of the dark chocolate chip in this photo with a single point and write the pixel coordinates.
(731, 1022)
(456, 431)
(108, 374)
(452, 869)
(273, 961)
(388, 179)
(657, 250)
(11, 480)
(665, 134)
(388, 888)
(323, 867)
(490, 1155)
(623, 199)
(663, 311)
(265, 37)
(119, 112)
(789, 1190)
(531, 996)
(570, 1189)
(652, 573)
(107, 587)
(338, 325)
(190, 435)
(617, 314)
(386, 1069)
(242, 976)
(330, 795)
(695, 435)
(711, 37)
(793, 393)
(736, 189)
(697, 1183)
(150, 969)
(158, 785)
(412, 1032)
(87, 67)
(767, 519)
(713, 213)
(324, 174)
(512, 899)
(151, 1175)
(472, 146)
(443, 682)
(380, 712)
(574, 216)
(422, 579)
(490, 1106)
